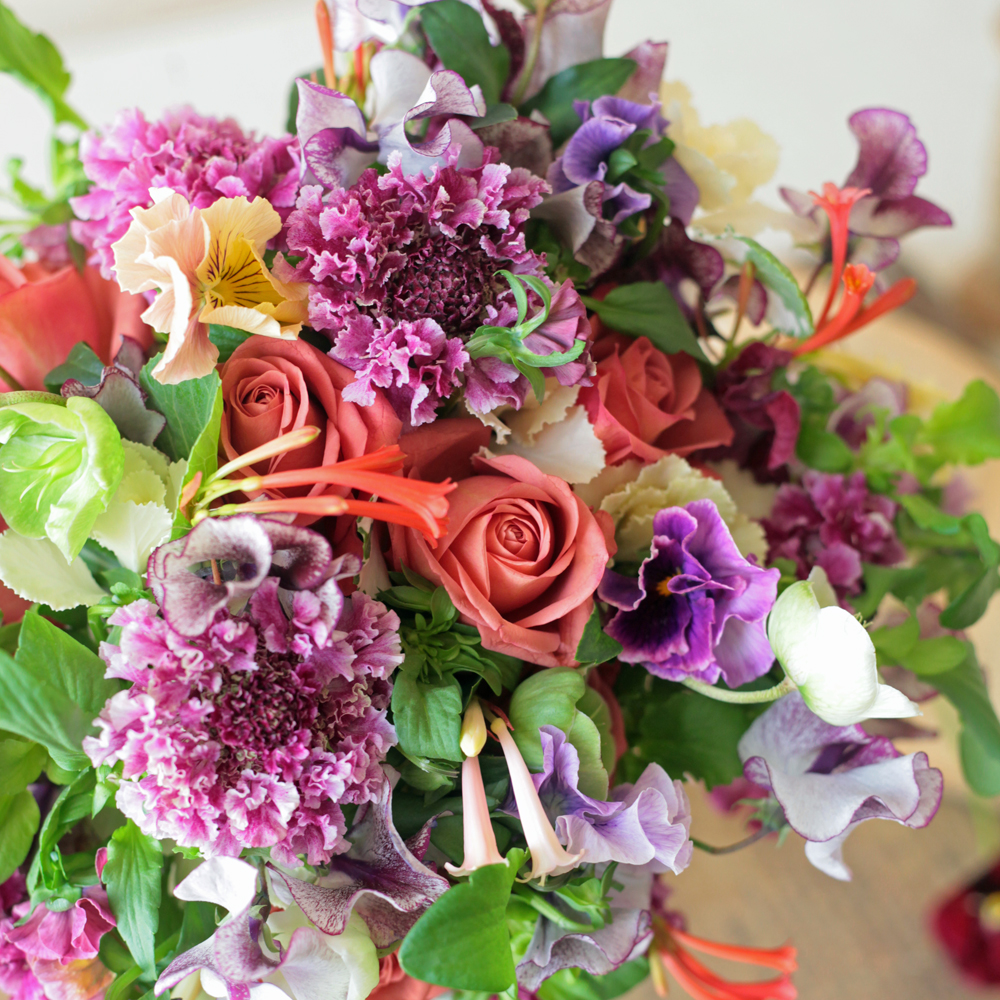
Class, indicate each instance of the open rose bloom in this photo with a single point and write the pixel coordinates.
(404, 519)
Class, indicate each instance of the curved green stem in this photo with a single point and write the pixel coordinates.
(732, 848)
(741, 697)
(528, 70)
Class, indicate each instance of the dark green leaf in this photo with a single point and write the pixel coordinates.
(188, 407)
(198, 924)
(428, 716)
(575, 984)
(226, 339)
(52, 691)
(596, 646)
(18, 823)
(647, 309)
(583, 82)
(458, 36)
(132, 876)
(204, 455)
(795, 316)
(970, 605)
(462, 941)
(82, 364)
(36, 62)
(690, 734)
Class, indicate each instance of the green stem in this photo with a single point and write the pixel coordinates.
(732, 848)
(29, 396)
(528, 70)
(15, 386)
(546, 909)
(741, 697)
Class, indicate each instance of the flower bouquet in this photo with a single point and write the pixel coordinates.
(402, 513)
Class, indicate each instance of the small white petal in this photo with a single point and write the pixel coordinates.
(892, 704)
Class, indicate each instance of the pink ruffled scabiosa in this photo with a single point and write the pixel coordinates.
(404, 269)
(834, 522)
(199, 157)
(250, 729)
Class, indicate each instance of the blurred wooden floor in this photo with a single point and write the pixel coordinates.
(867, 939)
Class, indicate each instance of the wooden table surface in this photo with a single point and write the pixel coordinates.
(867, 939)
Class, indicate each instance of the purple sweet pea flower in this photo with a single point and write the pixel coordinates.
(381, 877)
(857, 410)
(697, 609)
(642, 824)
(828, 779)
(891, 159)
(190, 600)
(553, 948)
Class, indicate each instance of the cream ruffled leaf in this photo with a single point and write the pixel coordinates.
(132, 530)
(36, 570)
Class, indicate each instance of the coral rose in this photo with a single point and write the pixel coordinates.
(271, 387)
(43, 314)
(521, 560)
(645, 404)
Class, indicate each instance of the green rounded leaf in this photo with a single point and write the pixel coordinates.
(59, 466)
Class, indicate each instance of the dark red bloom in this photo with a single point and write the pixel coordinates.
(968, 927)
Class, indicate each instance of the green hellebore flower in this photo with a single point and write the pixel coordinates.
(830, 657)
(59, 466)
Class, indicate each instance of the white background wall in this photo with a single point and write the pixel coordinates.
(799, 67)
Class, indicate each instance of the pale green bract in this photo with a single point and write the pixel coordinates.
(59, 467)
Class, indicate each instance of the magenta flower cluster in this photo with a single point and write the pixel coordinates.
(53, 953)
(403, 268)
(255, 732)
(202, 158)
(833, 521)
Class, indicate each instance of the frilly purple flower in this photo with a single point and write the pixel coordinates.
(403, 268)
(249, 549)
(647, 823)
(828, 779)
(891, 160)
(833, 521)
(698, 608)
(598, 952)
(381, 876)
(252, 733)
(202, 158)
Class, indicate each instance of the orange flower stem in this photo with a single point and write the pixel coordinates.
(325, 28)
(12, 383)
(286, 442)
(782, 959)
(743, 296)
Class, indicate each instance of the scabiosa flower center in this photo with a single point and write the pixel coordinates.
(449, 280)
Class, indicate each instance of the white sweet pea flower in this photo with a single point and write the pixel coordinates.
(830, 657)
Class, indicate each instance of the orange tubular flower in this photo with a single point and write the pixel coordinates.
(412, 503)
(856, 278)
(670, 953)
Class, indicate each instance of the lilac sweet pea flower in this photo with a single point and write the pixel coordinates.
(238, 961)
(598, 952)
(189, 600)
(333, 137)
(891, 159)
(697, 609)
(828, 779)
(381, 878)
(358, 21)
(642, 824)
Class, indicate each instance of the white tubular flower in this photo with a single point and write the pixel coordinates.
(830, 657)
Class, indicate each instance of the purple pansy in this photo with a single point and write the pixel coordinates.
(202, 158)
(834, 522)
(600, 951)
(642, 824)
(381, 877)
(891, 159)
(828, 779)
(697, 609)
